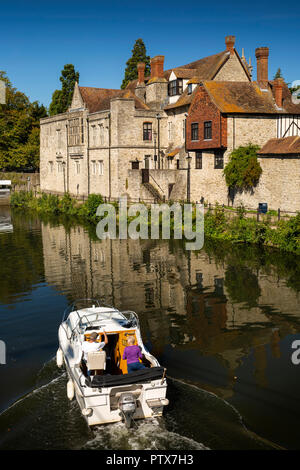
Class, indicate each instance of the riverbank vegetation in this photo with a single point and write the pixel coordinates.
(218, 224)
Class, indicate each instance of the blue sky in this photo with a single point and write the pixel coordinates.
(39, 37)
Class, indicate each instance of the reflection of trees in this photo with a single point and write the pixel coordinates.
(261, 259)
(242, 285)
(21, 258)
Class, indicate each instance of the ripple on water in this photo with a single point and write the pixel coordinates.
(194, 420)
(145, 435)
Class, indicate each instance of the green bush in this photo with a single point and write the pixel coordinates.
(243, 170)
(21, 198)
(89, 208)
(67, 205)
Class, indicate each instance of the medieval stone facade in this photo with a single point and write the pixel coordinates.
(136, 141)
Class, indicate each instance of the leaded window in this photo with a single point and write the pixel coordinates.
(147, 131)
(219, 159)
(175, 87)
(75, 131)
(194, 131)
(198, 160)
(207, 130)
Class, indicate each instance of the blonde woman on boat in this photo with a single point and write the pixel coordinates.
(133, 353)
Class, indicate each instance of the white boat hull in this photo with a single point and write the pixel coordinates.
(99, 402)
(101, 406)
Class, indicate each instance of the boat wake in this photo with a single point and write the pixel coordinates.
(145, 435)
(194, 420)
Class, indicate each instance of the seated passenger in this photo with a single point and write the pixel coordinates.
(132, 353)
(91, 345)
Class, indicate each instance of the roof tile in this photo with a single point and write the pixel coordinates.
(98, 99)
(284, 146)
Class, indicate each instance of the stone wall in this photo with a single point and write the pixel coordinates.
(156, 92)
(241, 130)
(278, 185)
(176, 127)
(22, 181)
(209, 183)
(232, 71)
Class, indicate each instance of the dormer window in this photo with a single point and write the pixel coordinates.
(175, 87)
(190, 88)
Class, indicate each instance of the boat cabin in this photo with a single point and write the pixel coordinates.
(112, 359)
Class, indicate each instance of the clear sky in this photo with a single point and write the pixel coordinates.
(39, 37)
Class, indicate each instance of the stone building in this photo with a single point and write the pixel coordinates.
(168, 136)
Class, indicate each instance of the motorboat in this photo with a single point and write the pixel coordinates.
(109, 393)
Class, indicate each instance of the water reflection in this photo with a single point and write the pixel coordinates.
(222, 319)
(5, 220)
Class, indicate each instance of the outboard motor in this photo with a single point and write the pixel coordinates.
(127, 405)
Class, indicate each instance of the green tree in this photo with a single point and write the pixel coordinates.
(278, 74)
(19, 129)
(243, 170)
(293, 89)
(61, 99)
(138, 55)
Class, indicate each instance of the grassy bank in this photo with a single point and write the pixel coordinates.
(285, 235)
(53, 204)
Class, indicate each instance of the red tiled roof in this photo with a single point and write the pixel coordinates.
(287, 103)
(284, 146)
(98, 99)
(246, 97)
(184, 73)
(207, 67)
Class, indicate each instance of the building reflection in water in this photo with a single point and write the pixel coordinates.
(185, 299)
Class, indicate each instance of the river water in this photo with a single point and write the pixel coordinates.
(222, 321)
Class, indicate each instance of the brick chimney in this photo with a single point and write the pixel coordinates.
(278, 88)
(157, 66)
(230, 41)
(262, 55)
(141, 72)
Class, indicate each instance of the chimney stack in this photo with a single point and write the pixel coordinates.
(278, 88)
(157, 66)
(262, 55)
(230, 41)
(141, 72)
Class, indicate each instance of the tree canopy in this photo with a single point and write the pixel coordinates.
(278, 74)
(19, 129)
(61, 99)
(243, 170)
(138, 55)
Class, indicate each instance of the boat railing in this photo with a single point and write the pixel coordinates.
(85, 320)
(91, 302)
(131, 316)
